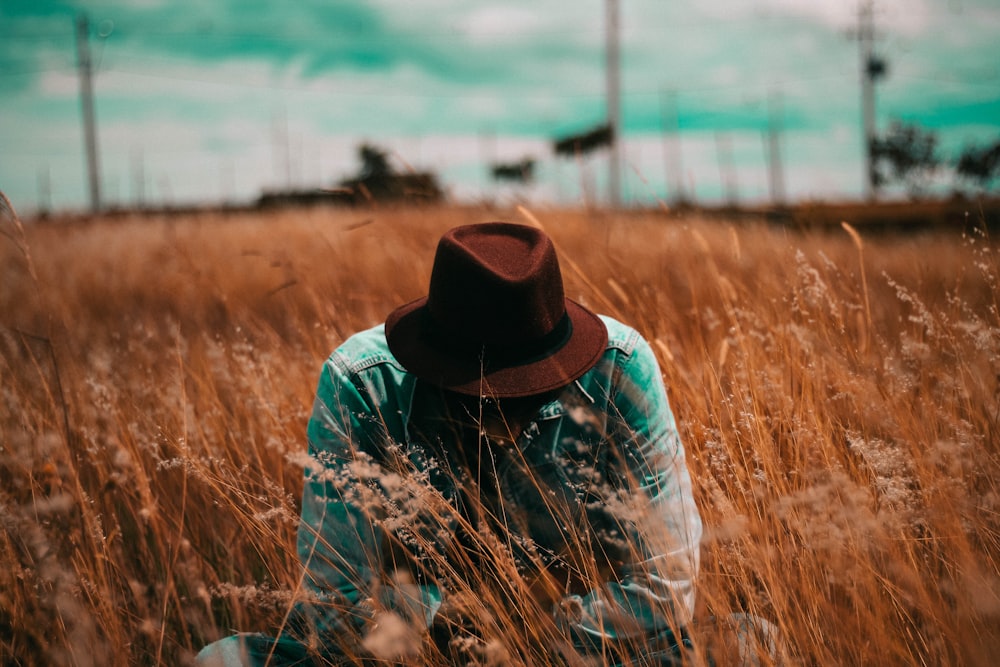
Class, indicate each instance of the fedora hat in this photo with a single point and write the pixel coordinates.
(495, 321)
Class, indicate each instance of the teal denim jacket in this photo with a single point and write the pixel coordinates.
(601, 465)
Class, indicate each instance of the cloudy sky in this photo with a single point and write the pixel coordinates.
(208, 100)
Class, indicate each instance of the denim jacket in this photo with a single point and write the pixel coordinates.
(598, 471)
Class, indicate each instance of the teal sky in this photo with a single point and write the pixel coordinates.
(201, 101)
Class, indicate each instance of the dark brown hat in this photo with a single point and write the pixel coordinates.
(496, 321)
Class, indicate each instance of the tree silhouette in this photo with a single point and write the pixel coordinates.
(374, 161)
(980, 164)
(579, 144)
(377, 180)
(909, 152)
(520, 172)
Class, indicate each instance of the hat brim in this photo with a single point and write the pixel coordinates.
(442, 367)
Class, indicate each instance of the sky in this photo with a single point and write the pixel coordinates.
(206, 101)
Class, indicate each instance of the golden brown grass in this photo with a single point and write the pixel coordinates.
(838, 396)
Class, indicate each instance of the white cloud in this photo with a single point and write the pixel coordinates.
(59, 84)
(910, 17)
(466, 68)
(499, 24)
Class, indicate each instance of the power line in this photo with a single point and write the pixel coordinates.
(547, 93)
(35, 70)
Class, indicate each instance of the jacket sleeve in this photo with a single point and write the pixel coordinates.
(340, 539)
(650, 502)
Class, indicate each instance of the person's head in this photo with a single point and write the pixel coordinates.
(496, 322)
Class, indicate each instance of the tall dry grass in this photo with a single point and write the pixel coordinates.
(837, 394)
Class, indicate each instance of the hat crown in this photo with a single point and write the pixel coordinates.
(495, 321)
(495, 283)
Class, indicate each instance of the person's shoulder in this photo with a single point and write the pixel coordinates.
(621, 336)
(365, 349)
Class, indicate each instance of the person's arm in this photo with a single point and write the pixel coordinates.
(340, 541)
(653, 591)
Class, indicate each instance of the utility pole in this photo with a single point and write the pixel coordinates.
(488, 156)
(614, 104)
(84, 66)
(286, 149)
(670, 125)
(776, 174)
(727, 170)
(44, 190)
(869, 65)
(138, 179)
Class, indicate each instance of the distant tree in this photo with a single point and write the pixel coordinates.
(980, 164)
(374, 161)
(585, 142)
(520, 172)
(910, 154)
(378, 181)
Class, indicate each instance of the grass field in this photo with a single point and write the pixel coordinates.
(837, 395)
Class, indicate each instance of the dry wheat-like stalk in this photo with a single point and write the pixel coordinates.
(150, 505)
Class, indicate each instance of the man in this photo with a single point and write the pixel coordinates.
(496, 477)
